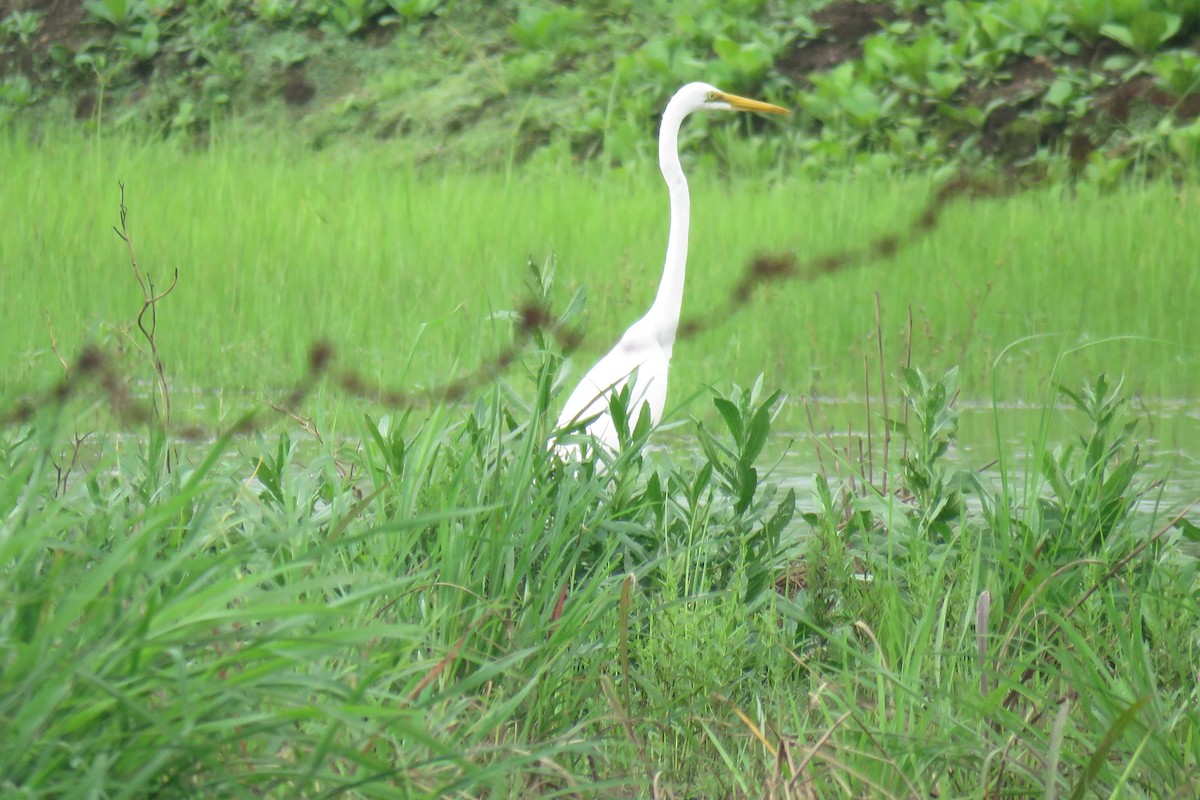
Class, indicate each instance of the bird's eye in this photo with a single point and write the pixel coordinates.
(711, 97)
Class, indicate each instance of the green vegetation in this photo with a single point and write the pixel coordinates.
(230, 567)
(882, 85)
(409, 274)
(432, 607)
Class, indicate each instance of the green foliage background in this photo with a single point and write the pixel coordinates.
(884, 85)
(427, 603)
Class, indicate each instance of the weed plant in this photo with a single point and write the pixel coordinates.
(436, 606)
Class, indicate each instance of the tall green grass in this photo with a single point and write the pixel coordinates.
(404, 269)
(426, 604)
(434, 607)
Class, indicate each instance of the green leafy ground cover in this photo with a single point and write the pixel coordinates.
(1095, 85)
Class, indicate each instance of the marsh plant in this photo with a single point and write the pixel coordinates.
(436, 605)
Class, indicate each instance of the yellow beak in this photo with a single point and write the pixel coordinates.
(746, 104)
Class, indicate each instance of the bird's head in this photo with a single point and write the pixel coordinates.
(701, 96)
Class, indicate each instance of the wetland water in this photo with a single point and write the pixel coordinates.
(1167, 435)
(839, 441)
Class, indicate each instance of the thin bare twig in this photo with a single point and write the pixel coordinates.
(907, 365)
(887, 428)
(869, 476)
(54, 345)
(64, 475)
(149, 304)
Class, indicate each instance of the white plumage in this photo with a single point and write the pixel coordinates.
(643, 352)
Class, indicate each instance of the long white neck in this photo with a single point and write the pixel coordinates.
(664, 314)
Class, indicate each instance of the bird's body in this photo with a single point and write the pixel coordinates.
(638, 355)
(643, 353)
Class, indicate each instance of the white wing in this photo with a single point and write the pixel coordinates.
(638, 355)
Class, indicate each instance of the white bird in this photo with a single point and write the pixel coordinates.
(643, 353)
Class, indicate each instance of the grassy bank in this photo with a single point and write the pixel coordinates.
(405, 271)
(1096, 85)
(433, 608)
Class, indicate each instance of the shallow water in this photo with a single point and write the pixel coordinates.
(839, 442)
(846, 436)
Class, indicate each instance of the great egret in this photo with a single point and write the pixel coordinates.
(643, 353)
